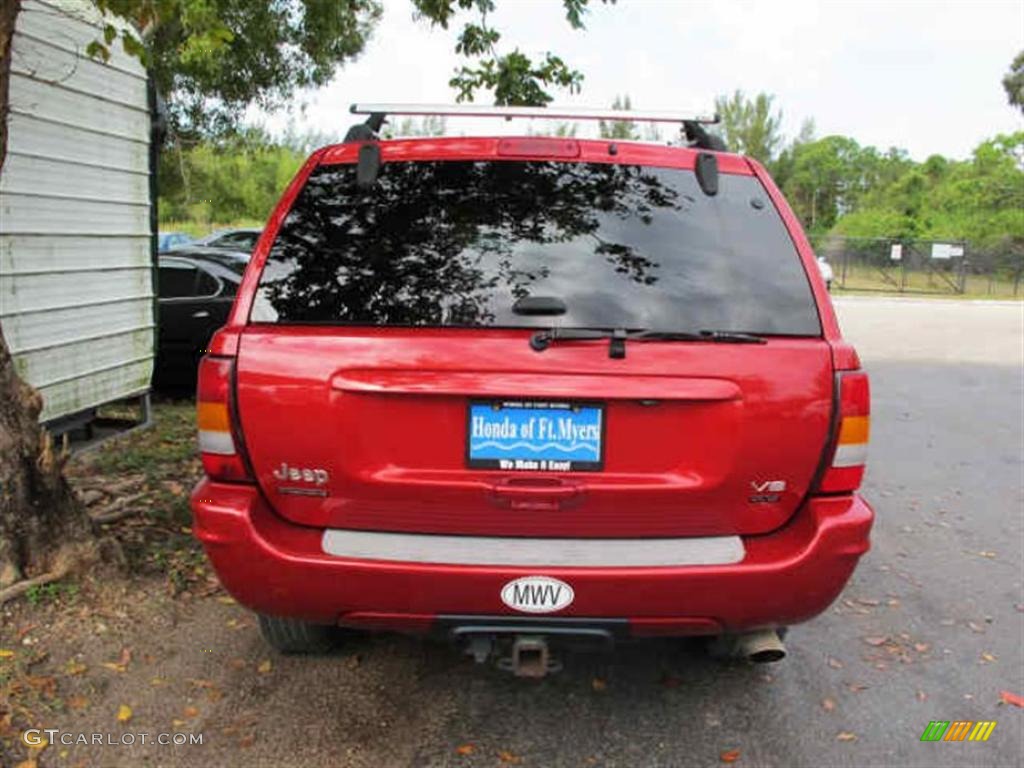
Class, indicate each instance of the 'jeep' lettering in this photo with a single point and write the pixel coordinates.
(537, 594)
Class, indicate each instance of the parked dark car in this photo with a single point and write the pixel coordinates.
(232, 239)
(196, 288)
(168, 240)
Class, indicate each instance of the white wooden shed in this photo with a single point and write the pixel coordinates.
(76, 231)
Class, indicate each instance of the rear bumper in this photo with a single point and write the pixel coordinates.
(278, 568)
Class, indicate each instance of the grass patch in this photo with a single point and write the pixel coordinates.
(861, 278)
(54, 592)
(196, 228)
(159, 451)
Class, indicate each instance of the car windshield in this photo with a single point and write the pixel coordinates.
(457, 243)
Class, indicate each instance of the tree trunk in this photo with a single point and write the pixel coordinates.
(41, 523)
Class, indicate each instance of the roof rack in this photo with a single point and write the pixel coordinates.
(556, 113)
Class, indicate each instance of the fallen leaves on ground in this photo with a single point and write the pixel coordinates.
(846, 736)
(835, 663)
(922, 696)
(598, 684)
(730, 756)
(875, 641)
(76, 702)
(1011, 698)
(509, 758)
(264, 667)
(213, 692)
(124, 713)
(465, 749)
(74, 667)
(987, 657)
(828, 705)
(122, 662)
(44, 685)
(190, 712)
(6, 653)
(174, 487)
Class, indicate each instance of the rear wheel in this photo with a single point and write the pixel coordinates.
(294, 636)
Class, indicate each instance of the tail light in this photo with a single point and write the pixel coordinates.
(850, 452)
(219, 443)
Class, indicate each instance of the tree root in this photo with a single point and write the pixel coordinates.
(21, 587)
(119, 510)
(68, 559)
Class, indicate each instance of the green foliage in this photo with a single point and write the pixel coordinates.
(1013, 83)
(825, 178)
(782, 168)
(427, 126)
(750, 127)
(514, 78)
(54, 592)
(619, 129)
(224, 180)
(980, 200)
(210, 59)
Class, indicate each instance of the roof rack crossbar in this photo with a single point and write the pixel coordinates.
(555, 113)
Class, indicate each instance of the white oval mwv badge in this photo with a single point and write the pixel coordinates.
(537, 594)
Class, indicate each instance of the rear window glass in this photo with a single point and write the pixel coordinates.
(456, 243)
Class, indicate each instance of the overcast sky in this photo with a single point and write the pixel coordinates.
(920, 75)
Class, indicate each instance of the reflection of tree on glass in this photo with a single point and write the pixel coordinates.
(440, 243)
(457, 243)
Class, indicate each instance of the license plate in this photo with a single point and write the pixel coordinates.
(535, 436)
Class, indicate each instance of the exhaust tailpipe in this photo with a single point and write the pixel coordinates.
(761, 646)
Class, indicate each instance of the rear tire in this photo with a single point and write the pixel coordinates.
(294, 636)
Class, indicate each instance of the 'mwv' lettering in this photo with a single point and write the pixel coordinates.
(536, 594)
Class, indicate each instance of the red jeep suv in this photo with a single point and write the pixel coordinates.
(514, 389)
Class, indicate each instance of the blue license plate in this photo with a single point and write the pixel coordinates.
(537, 436)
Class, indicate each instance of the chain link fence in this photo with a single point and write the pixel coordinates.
(945, 267)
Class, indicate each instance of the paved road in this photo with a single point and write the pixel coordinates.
(939, 596)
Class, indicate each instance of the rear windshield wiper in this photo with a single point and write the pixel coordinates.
(541, 340)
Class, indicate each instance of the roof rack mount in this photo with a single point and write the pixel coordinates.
(550, 113)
